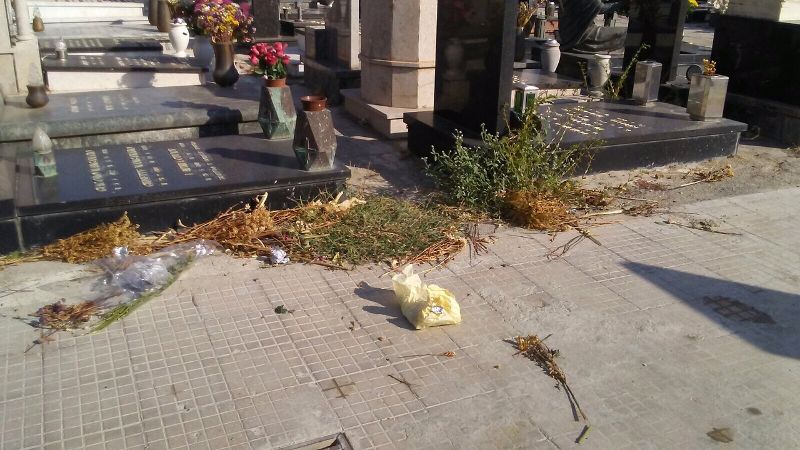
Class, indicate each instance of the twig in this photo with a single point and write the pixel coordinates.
(401, 380)
(686, 184)
(603, 213)
(695, 227)
(584, 434)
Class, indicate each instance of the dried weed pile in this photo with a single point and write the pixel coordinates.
(539, 211)
(95, 243)
(337, 234)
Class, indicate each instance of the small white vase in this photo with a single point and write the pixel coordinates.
(203, 51)
(550, 56)
(599, 70)
(179, 38)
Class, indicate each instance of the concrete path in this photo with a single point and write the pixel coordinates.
(665, 333)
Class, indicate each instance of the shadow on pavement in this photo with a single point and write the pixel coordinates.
(766, 318)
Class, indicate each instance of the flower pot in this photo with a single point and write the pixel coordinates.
(313, 103)
(152, 12)
(164, 16)
(599, 70)
(707, 96)
(37, 96)
(203, 51)
(179, 38)
(276, 113)
(550, 56)
(224, 73)
(276, 83)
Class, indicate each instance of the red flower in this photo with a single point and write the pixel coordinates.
(254, 60)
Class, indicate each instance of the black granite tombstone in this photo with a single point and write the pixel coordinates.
(761, 62)
(659, 25)
(475, 60)
(266, 18)
(157, 184)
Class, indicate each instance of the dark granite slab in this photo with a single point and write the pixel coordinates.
(101, 45)
(626, 123)
(111, 63)
(266, 18)
(105, 112)
(626, 135)
(762, 62)
(659, 24)
(475, 53)
(8, 236)
(328, 79)
(160, 183)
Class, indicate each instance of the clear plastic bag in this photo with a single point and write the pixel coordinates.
(128, 276)
(424, 305)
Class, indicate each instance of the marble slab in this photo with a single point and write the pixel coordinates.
(101, 45)
(102, 112)
(112, 63)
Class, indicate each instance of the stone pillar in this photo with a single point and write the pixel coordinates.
(24, 28)
(344, 24)
(398, 55)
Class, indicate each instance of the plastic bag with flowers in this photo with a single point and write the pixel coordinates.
(223, 21)
(270, 60)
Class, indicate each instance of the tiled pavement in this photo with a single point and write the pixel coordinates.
(209, 365)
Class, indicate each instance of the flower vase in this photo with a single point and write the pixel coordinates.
(314, 137)
(276, 113)
(224, 73)
(519, 45)
(599, 71)
(203, 51)
(707, 96)
(179, 38)
(37, 96)
(164, 16)
(152, 12)
(550, 56)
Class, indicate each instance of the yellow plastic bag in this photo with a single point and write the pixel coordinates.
(424, 305)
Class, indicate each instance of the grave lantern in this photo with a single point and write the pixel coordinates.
(522, 95)
(44, 161)
(61, 49)
(646, 82)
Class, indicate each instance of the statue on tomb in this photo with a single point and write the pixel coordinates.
(579, 33)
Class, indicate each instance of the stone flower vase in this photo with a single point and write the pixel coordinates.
(314, 138)
(164, 16)
(224, 73)
(707, 96)
(276, 113)
(37, 96)
(179, 38)
(38, 24)
(152, 12)
(599, 71)
(550, 56)
(203, 51)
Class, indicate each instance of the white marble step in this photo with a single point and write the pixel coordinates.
(87, 11)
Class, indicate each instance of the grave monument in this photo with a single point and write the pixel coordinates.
(398, 58)
(266, 18)
(333, 63)
(473, 88)
(762, 65)
(659, 25)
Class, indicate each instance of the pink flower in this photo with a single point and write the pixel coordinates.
(254, 60)
(285, 60)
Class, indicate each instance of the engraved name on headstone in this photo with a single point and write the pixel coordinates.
(587, 122)
(105, 177)
(193, 161)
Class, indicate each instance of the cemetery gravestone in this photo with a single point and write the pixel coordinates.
(266, 18)
(659, 25)
(159, 183)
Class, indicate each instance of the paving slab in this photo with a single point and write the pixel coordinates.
(654, 363)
